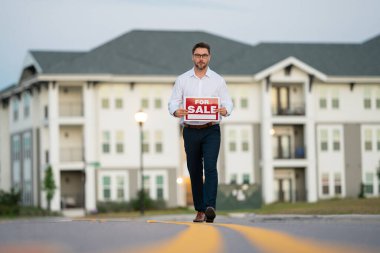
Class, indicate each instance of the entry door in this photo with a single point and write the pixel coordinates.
(281, 146)
(72, 189)
(281, 96)
(284, 189)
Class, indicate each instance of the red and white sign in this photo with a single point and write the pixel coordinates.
(202, 108)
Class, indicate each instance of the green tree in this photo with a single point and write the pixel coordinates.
(49, 185)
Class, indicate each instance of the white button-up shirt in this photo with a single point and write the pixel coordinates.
(189, 85)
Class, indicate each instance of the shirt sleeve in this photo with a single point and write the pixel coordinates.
(176, 98)
(225, 99)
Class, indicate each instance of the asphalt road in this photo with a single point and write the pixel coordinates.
(240, 233)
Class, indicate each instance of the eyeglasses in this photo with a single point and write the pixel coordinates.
(201, 56)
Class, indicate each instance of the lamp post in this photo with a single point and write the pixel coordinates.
(140, 118)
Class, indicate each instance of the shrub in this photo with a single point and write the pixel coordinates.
(149, 204)
(110, 206)
(9, 202)
(133, 205)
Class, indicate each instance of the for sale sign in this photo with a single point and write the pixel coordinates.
(202, 108)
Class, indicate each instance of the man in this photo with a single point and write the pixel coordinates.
(202, 139)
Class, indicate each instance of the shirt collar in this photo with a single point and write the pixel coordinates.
(208, 72)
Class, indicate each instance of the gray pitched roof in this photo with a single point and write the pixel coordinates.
(47, 59)
(168, 53)
(145, 52)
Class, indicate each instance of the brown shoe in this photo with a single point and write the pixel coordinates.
(210, 214)
(201, 217)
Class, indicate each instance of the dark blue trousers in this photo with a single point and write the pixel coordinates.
(202, 150)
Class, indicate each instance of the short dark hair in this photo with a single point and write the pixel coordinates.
(202, 45)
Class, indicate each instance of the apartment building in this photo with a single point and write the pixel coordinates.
(306, 123)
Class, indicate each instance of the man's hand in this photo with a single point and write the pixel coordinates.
(222, 111)
(180, 112)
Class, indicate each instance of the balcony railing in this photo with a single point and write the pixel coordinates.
(72, 109)
(290, 196)
(71, 154)
(293, 109)
(298, 153)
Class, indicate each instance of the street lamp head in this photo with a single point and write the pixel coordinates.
(141, 117)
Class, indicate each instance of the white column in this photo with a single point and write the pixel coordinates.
(89, 131)
(266, 142)
(311, 170)
(5, 161)
(53, 101)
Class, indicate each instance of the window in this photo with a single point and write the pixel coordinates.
(233, 178)
(338, 184)
(119, 142)
(106, 142)
(336, 140)
(322, 103)
(244, 144)
(378, 140)
(368, 183)
(158, 140)
(246, 179)
(324, 137)
(367, 99)
(145, 143)
(325, 184)
(335, 99)
(113, 186)
(244, 103)
(368, 140)
(16, 148)
(323, 99)
(378, 99)
(26, 104)
(119, 103)
(147, 185)
(160, 187)
(144, 103)
(46, 156)
(46, 112)
(232, 142)
(105, 103)
(15, 109)
(106, 187)
(158, 103)
(120, 188)
(27, 147)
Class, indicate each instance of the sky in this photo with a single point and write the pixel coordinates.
(80, 25)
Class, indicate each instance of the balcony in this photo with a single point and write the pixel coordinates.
(71, 154)
(72, 109)
(71, 144)
(288, 100)
(70, 101)
(288, 142)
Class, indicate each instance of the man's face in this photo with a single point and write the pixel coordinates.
(201, 58)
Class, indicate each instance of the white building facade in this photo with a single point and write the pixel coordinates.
(297, 131)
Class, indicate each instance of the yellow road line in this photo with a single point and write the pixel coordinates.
(273, 242)
(198, 237)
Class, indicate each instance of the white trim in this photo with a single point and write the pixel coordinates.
(355, 79)
(109, 78)
(286, 62)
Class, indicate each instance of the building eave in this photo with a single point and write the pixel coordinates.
(285, 63)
